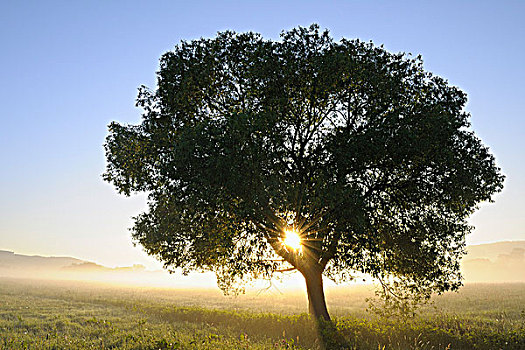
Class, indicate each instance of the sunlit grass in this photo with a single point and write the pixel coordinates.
(60, 315)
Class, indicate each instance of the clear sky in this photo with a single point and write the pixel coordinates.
(68, 68)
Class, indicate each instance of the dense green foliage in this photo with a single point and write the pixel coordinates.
(38, 315)
(363, 152)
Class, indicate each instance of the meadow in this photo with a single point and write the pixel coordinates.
(80, 315)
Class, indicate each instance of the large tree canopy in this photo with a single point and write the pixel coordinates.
(368, 157)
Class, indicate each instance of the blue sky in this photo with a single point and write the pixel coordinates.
(68, 68)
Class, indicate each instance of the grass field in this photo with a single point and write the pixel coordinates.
(73, 315)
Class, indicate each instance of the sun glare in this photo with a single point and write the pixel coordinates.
(292, 239)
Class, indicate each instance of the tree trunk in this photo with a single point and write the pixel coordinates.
(329, 336)
(316, 300)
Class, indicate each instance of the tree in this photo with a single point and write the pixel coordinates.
(359, 152)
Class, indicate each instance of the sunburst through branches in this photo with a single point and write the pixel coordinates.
(292, 240)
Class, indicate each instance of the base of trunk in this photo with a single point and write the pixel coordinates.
(316, 299)
(329, 336)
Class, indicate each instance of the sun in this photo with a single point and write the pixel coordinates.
(292, 239)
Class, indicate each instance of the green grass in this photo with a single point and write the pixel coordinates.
(67, 315)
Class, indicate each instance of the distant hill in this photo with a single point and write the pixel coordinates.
(12, 261)
(92, 267)
(14, 265)
(495, 262)
(18, 265)
(492, 251)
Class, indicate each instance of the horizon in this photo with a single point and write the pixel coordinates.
(163, 269)
(498, 262)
